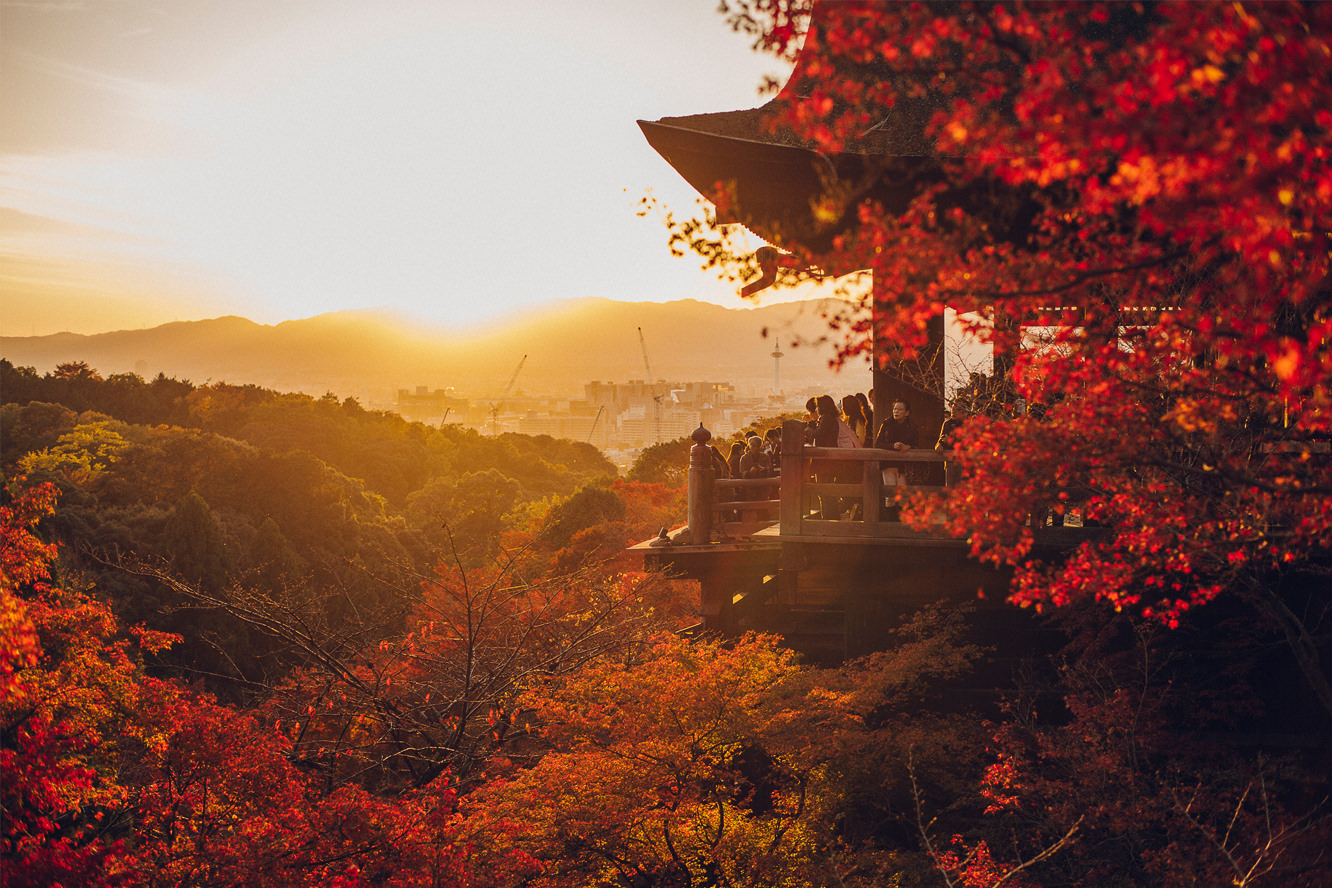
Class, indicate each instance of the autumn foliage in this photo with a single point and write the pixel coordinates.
(444, 670)
(1130, 203)
(111, 777)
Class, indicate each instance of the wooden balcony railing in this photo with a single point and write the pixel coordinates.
(744, 505)
(809, 503)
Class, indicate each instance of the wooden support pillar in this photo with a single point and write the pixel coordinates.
(715, 605)
(920, 382)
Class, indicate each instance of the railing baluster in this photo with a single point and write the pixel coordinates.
(700, 488)
(872, 505)
(792, 512)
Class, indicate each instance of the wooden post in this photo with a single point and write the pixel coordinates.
(920, 382)
(871, 492)
(792, 510)
(700, 488)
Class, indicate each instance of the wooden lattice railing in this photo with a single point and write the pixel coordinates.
(821, 491)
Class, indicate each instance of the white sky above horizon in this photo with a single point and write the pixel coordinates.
(451, 161)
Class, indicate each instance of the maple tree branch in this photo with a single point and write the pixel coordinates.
(1264, 859)
(1075, 281)
(1045, 853)
(1012, 871)
(791, 821)
(1298, 638)
(921, 828)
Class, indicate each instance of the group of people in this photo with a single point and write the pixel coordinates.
(852, 425)
(754, 457)
(826, 425)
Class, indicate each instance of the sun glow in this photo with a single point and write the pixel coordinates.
(448, 162)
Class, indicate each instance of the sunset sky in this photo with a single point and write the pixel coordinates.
(454, 160)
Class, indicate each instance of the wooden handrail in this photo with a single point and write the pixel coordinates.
(732, 516)
(868, 454)
(797, 458)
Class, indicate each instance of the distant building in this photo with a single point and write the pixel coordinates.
(431, 407)
(574, 428)
(612, 416)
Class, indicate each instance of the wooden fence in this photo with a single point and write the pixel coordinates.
(808, 502)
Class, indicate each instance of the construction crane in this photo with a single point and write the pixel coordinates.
(495, 408)
(600, 410)
(656, 398)
(646, 364)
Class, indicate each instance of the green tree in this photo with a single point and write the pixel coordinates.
(276, 564)
(589, 506)
(33, 425)
(664, 463)
(86, 451)
(467, 516)
(193, 540)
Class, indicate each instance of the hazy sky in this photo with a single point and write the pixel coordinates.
(277, 159)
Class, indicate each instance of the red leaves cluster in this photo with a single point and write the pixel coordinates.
(110, 777)
(1150, 187)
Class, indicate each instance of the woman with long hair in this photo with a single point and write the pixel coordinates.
(828, 433)
(869, 417)
(733, 459)
(855, 417)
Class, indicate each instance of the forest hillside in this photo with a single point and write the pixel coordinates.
(224, 484)
(256, 638)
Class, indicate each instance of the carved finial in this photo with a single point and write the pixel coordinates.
(700, 455)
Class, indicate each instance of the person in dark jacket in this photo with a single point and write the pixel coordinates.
(947, 441)
(899, 433)
(811, 419)
(772, 446)
(754, 462)
(826, 431)
(826, 424)
(720, 468)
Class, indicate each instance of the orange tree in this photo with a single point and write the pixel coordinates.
(1149, 186)
(670, 764)
(683, 762)
(111, 777)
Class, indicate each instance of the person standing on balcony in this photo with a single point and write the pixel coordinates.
(828, 433)
(754, 462)
(720, 468)
(811, 420)
(865, 408)
(772, 448)
(947, 441)
(733, 459)
(898, 433)
(854, 414)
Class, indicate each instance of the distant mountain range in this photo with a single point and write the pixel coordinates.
(370, 355)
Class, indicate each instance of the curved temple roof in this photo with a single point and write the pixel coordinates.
(782, 187)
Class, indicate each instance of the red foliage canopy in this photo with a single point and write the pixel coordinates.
(1149, 187)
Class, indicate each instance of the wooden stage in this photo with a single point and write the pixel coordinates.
(833, 588)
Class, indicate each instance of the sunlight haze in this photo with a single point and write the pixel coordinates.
(452, 161)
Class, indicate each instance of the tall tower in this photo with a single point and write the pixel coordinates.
(776, 367)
